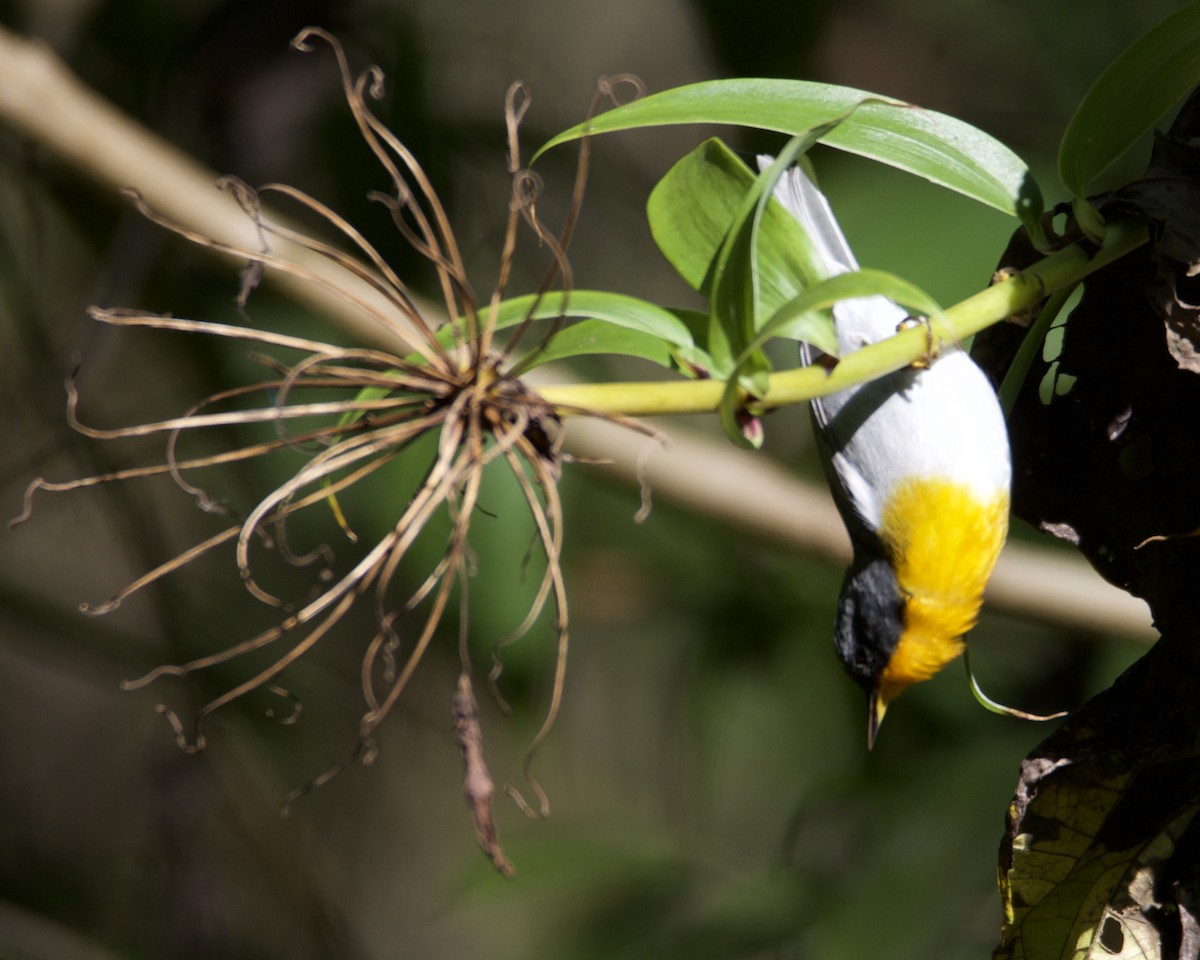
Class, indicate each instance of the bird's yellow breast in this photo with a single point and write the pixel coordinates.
(943, 542)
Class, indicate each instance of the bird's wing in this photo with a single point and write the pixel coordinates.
(856, 322)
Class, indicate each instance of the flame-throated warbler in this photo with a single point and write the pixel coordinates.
(918, 462)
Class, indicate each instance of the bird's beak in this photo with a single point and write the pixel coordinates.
(876, 708)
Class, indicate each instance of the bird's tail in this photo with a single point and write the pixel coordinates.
(859, 320)
(801, 198)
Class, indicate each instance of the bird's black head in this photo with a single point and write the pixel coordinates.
(870, 620)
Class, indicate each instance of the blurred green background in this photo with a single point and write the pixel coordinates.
(712, 796)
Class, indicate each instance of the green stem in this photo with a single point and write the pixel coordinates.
(1003, 299)
(1031, 347)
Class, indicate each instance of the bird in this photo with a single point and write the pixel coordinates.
(919, 466)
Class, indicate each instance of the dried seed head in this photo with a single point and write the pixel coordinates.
(351, 411)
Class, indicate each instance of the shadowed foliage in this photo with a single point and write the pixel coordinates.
(1101, 847)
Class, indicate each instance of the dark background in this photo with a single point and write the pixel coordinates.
(712, 795)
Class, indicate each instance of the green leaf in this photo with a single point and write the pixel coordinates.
(736, 300)
(692, 207)
(1130, 97)
(692, 210)
(615, 308)
(848, 286)
(940, 148)
(794, 321)
(601, 336)
(823, 296)
(620, 312)
(672, 328)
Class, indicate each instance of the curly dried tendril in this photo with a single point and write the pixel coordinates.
(347, 413)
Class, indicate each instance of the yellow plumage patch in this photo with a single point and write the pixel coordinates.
(943, 542)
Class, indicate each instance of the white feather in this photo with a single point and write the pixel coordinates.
(856, 322)
(941, 421)
(801, 198)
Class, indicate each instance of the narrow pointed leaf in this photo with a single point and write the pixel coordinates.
(630, 313)
(847, 286)
(736, 300)
(793, 321)
(619, 309)
(600, 336)
(938, 147)
(821, 297)
(1130, 97)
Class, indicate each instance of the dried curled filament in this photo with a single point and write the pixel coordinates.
(347, 413)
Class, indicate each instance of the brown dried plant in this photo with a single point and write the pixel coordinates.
(454, 386)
